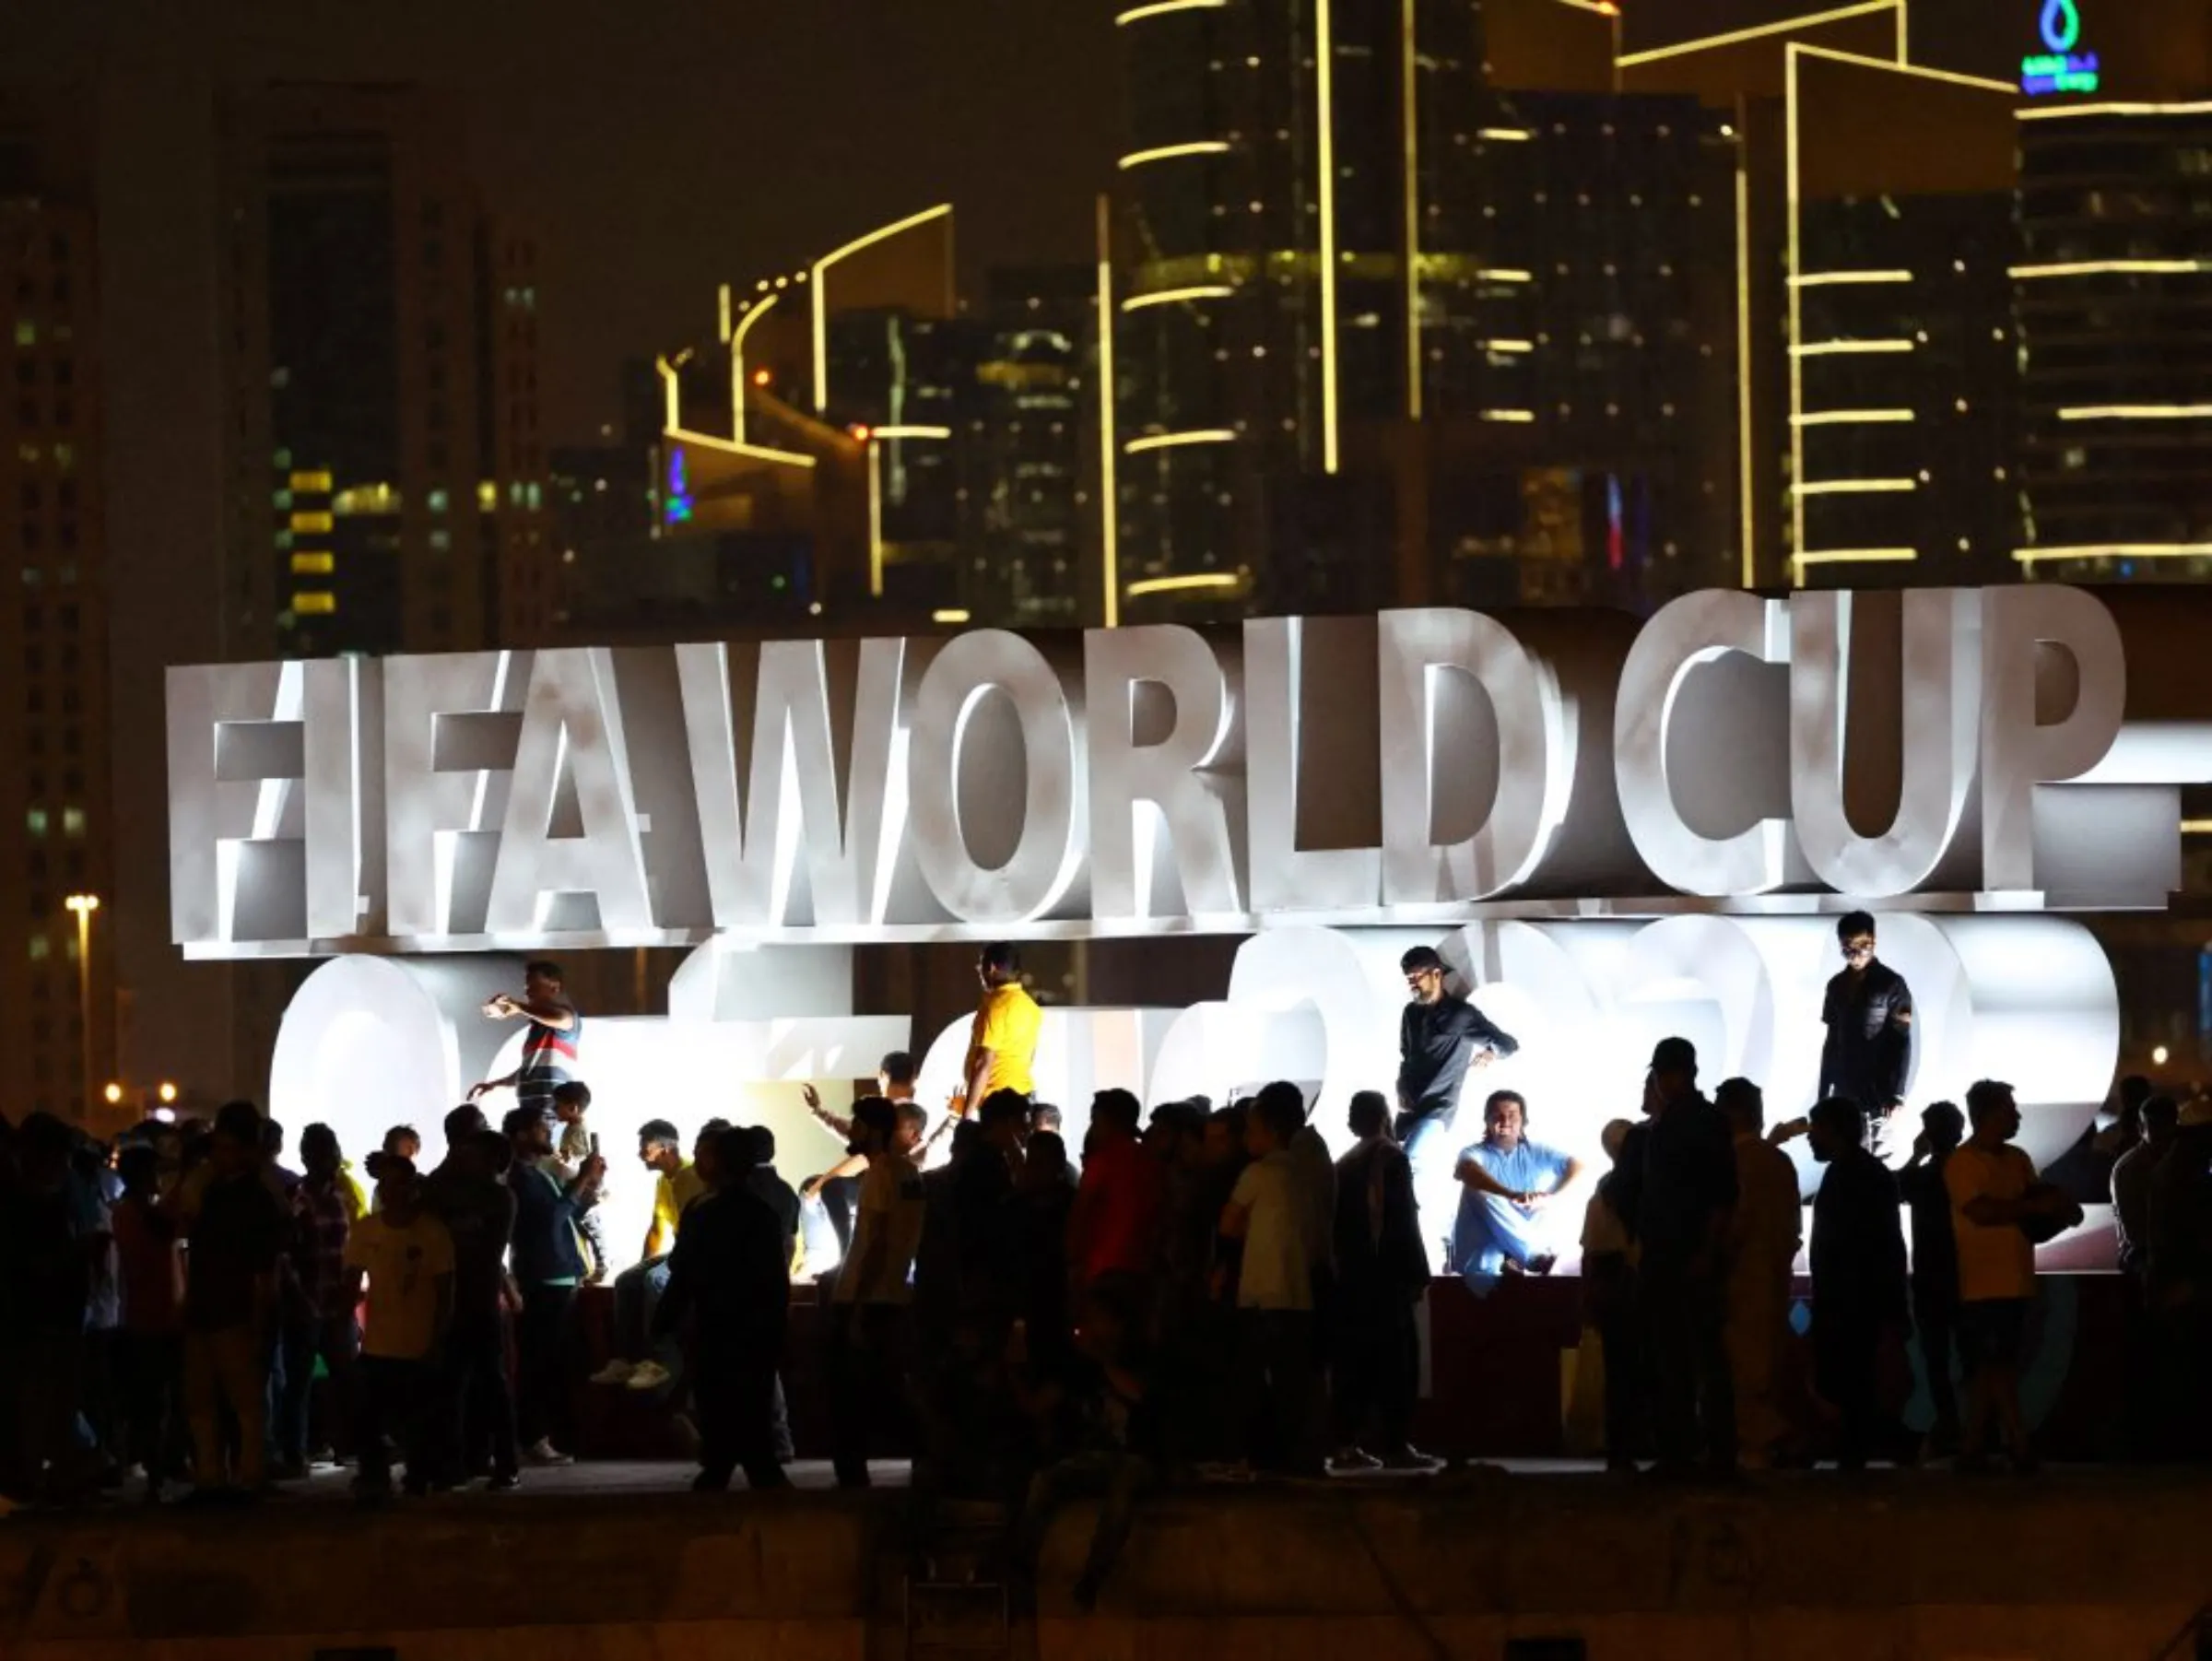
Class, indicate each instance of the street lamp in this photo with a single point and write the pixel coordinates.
(168, 1092)
(84, 905)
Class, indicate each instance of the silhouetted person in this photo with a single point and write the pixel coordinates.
(1275, 1287)
(319, 1325)
(1935, 1266)
(1382, 1274)
(552, 1037)
(1868, 1012)
(2132, 1174)
(405, 1258)
(237, 1233)
(730, 1278)
(548, 1266)
(1121, 1203)
(466, 1192)
(1762, 1254)
(150, 1356)
(1678, 1195)
(1858, 1261)
(2180, 1286)
(870, 1305)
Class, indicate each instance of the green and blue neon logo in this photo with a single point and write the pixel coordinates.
(2059, 68)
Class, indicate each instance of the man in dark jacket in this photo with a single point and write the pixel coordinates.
(731, 1273)
(1868, 1054)
(1382, 1272)
(1859, 1301)
(547, 1266)
(1441, 1035)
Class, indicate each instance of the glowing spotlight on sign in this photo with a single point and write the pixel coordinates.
(2059, 68)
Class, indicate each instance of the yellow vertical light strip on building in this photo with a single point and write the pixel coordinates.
(737, 381)
(875, 522)
(1795, 264)
(1324, 88)
(821, 299)
(1109, 506)
(1747, 483)
(721, 313)
(1411, 94)
(671, 415)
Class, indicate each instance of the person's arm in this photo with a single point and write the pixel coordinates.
(1235, 1221)
(1409, 1074)
(1571, 1173)
(841, 1128)
(582, 1193)
(675, 1297)
(980, 1062)
(489, 1085)
(356, 1279)
(1471, 1174)
(1898, 1052)
(853, 1164)
(1079, 1222)
(1490, 1039)
(560, 1017)
(1832, 1046)
(658, 1234)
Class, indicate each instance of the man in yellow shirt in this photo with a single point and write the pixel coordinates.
(678, 1183)
(406, 1257)
(1003, 1046)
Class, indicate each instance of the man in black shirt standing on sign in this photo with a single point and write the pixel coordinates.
(1440, 1037)
(1869, 1017)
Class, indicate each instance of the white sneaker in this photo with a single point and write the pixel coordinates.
(543, 1452)
(614, 1373)
(648, 1375)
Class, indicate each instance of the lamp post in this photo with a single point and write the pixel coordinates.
(84, 905)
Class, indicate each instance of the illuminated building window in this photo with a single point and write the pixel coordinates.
(317, 483)
(73, 822)
(26, 332)
(35, 821)
(438, 500)
(441, 540)
(311, 522)
(315, 604)
(284, 460)
(40, 949)
(313, 565)
(283, 499)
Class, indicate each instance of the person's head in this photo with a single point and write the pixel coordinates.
(660, 1146)
(464, 1121)
(1743, 1105)
(704, 1146)
(1115, 1113)
(1424, 971)
(1175, 1131)
(894, 1075)
(1615, 1137)
(541, 979)
(908, 1119)
(1835, 1128)
(236, 1145)
(731, 1161)
(999, 963)
(572, 1100)
(1044, 1115)
(495, 1149)
(1990, 1108)
(1674, 1069)
(527, 1133)
(1368, 1114)
(1279, 1113)
(396, 1188)
(1004, 1119)
(875, 1123)
(1046, 1166)
(1854, 938)
(465, 1152)
(402, 1141)
(272, 1141)
(319, 1153)
(2160, 1115)
(1943, 1125)
(140, 1168)
(42, 1146)
(1504, 1119)
(2135, 1090)
(1224, 1135)
(762, 1142)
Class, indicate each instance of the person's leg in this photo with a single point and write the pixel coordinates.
(1399, 1375)
(848, 1396)
(1715, 1386)
(1757, 1309)
(1936, 1316)
(2008, 1339)
(338, 1342)
(754, 1395)
(292, 1384)
(373, 1422)
(1127, 1478)
(412, 1402)
(779, 1421)
(1359, 1332)
(242, 1374)
(478, 1395)
(630, 1313)
(1052, 1487)
(203, 1407)
(1670, 1380)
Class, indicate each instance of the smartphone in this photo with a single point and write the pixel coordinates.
(595, 1144)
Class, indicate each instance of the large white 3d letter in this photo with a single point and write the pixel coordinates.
(1694, 631)
(1472, 726)
(569, 855)
(962, 774)
(824, 778)
(235, 750)
(1158, 710)
(343, 764)
(1285, 724)
(451, 726)
(1939, 725)
(2043, 648)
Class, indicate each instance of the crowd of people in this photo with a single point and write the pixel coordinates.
(1203, 1291)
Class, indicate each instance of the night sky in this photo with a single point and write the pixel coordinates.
(662, 147)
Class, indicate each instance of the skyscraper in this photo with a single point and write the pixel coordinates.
(56, 809)
(385, 472)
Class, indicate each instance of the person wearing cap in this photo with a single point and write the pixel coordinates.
(1677, 1196)
(1868, 1013)
(1441, 1035)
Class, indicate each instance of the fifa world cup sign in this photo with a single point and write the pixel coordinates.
(1615, 828)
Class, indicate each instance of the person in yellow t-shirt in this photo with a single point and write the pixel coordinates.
(638, 1288)
(406, 1255)
(1003, 1048)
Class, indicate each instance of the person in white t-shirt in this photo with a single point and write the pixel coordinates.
(1268, 1213)
(1999, 1209)
(869, 1306)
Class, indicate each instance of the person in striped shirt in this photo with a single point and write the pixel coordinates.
(550, 1045)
